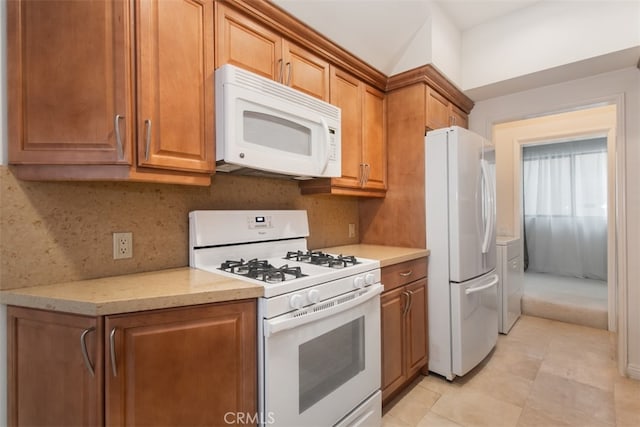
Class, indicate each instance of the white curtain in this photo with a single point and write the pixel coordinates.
(565, 208)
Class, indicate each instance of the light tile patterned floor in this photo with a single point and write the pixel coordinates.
(543, 373)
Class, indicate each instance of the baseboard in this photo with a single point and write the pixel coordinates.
(633, 371)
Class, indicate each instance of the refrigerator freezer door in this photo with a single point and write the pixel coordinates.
(474, 321)
(471, 205)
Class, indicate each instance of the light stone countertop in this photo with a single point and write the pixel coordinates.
(133, 292)
(387, 255)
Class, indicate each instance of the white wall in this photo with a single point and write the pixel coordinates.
(446, 42)
(624, 84)
(546, 35)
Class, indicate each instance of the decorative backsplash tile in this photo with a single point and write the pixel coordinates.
(52, 232)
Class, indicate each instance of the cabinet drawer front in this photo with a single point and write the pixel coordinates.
(403, 273)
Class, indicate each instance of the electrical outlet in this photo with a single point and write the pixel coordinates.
(352, 230)
(122, 245)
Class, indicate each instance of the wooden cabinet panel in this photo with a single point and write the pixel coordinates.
(374, 147)
(186, 366)
(345, 93)
(459, 117)
(305, 71)
(417, 333)
(245, 43)
(364, 151)
(437, 110)
(175, 83)
(49, 382)
(80, 110)
(404, 325)
(66, 86)
(393, 324)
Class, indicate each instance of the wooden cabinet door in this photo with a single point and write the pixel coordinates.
(417, 342)
(392, 304)
(67, 87)
(374, 148)
(305, 71)
(345, 93)
(247, 44)
(184, 366)
(459, 117)
(49, 380)
(175, 84)
(437, 110)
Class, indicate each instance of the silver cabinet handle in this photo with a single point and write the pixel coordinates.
(281, 74)
(361, 181)
(406, 305)
(119, 146)
(368, 167)
(85, 354)
(147, 146)
(406, 273)
(112, 351)
(289, 71)
(410, 300)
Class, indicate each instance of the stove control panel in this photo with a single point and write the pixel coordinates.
(259, 222)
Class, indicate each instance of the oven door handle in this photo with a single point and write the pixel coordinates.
(311, 315)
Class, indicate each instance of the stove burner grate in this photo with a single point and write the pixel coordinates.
(323, 259)
(261, 270)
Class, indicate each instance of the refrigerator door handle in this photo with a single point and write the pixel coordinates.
(488, 229)
(483, 287)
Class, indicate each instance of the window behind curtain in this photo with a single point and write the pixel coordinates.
(565, 207)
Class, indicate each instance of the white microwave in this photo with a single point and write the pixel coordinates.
(269, 129)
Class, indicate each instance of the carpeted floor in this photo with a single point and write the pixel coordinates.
(567, 299)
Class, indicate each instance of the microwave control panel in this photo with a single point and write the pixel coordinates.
(332, 144)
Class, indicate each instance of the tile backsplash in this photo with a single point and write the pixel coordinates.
(52, 232)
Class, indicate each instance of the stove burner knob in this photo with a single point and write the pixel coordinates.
(358, 282)
(369, 279)
(296, 301)
(313, 296)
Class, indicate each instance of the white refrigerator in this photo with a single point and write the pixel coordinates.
(461, 235)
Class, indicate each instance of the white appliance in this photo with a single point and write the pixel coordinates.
(266, 128)
(460, 207)
(318, 323)
(511, 285)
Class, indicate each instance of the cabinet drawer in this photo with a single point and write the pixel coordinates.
(403, 273)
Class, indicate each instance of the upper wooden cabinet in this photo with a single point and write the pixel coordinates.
(441, 113)
(77, 109)
(415, 104)
(364, 160)
(248, 44)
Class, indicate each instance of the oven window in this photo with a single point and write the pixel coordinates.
(330, 360)
(276, 133)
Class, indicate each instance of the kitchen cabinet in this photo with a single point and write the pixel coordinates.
(404, 325)
(364, 158)
(49, 380)
(441, 113)
(79, 109)
(413, 106)
(248, 44)
(180, 366)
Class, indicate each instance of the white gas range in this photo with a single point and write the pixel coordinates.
(318, 322)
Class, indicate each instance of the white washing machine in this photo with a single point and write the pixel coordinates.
(510, 268)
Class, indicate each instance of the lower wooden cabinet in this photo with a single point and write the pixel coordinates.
(181, 366)
(404, 325)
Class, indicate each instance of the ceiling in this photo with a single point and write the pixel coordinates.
(389, 26)
(386, 29)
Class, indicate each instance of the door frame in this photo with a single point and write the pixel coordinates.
(563, 128)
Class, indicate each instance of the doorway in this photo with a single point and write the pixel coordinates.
(564, 191)
(510, 139)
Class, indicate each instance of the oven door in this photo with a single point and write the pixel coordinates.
(322, 362)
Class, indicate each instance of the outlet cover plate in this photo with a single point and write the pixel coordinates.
(122, 245)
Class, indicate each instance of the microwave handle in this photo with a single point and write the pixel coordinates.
(327, 145)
